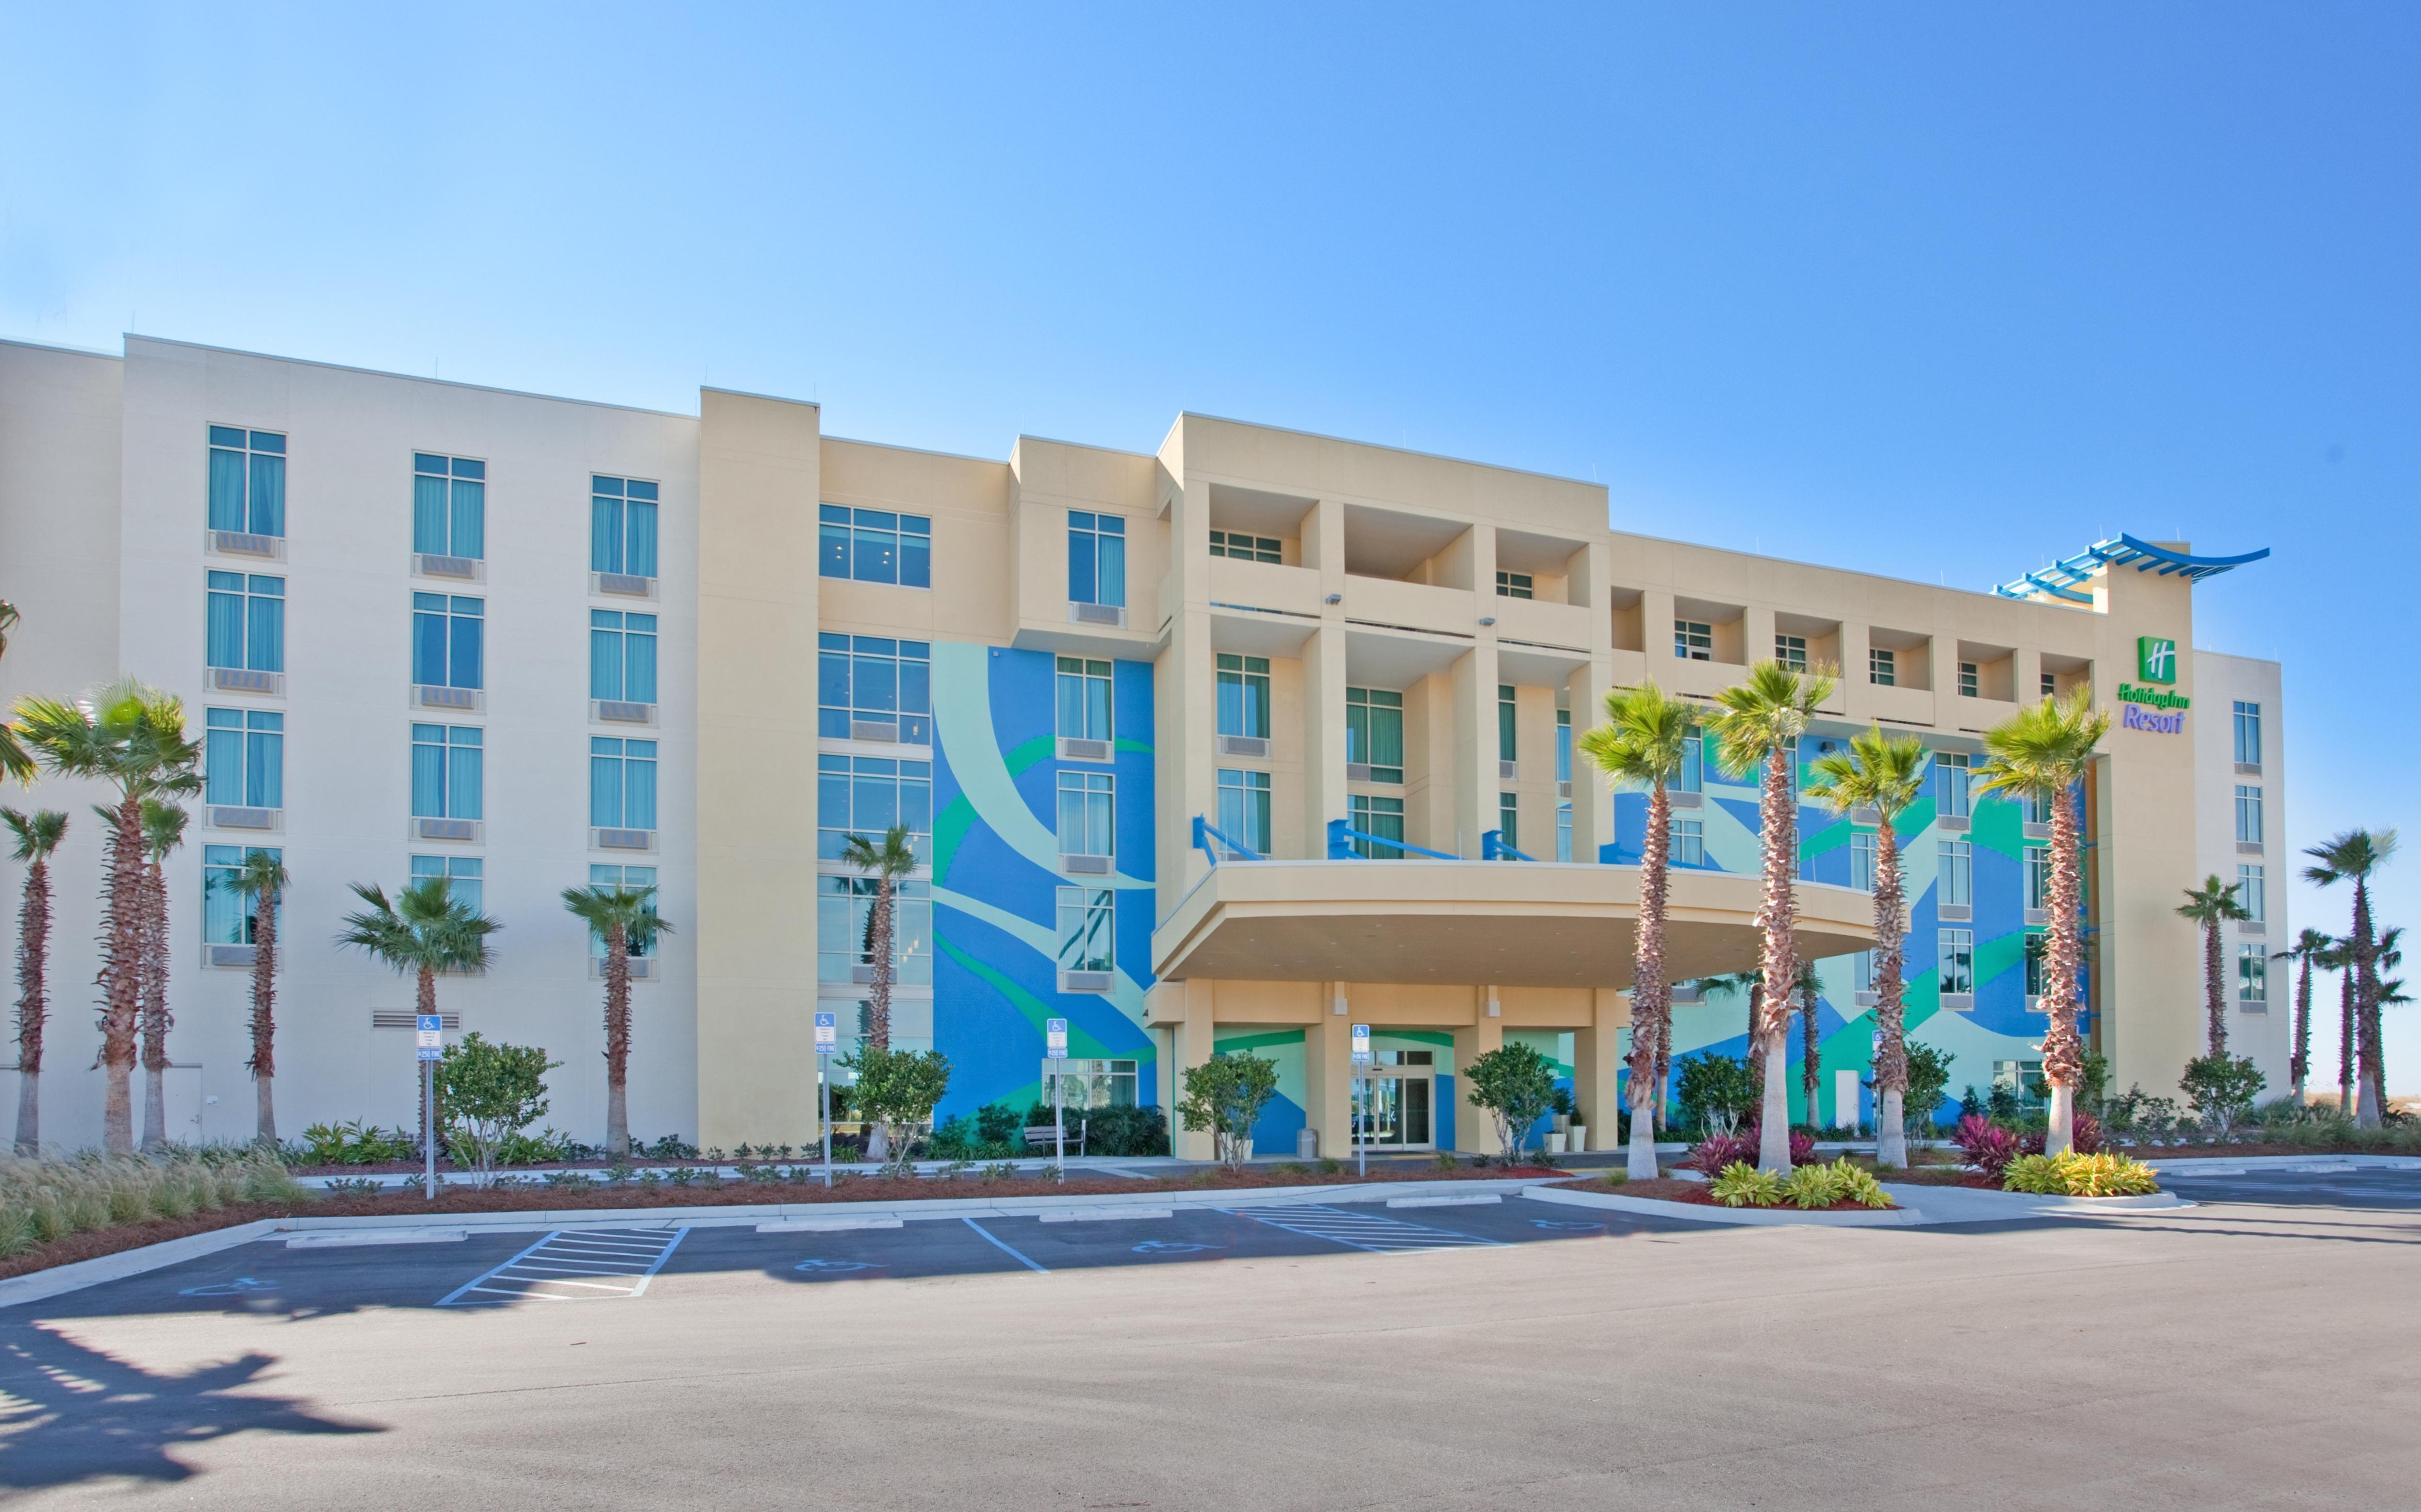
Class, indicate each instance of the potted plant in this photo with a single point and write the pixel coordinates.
(1576, 1138)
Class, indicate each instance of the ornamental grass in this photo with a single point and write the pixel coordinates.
(43, 1200)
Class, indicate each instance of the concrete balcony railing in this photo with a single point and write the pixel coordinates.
(1384, 602)
(1539, 623)
(1265, 585)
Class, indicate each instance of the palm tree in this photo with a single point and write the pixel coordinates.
(15, 760)
(888, 860)
(426, 929)
(132, 738)
(38, 835)
(2310, 948)
(2354, 856)
(2339, 958)
(1643, 742)
(625, 918)
(163, 831)
(1884, 773)
(1762, 719)
(2212, 906)
(262, 879)
(2390, 956)
(1811, 1054)
(2041, 755)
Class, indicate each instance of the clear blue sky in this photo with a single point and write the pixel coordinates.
(1933, 292)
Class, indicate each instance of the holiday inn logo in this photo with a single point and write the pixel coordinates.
(2156, 659)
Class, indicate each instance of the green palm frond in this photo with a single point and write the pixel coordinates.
(602, 907)
(1643, 738)
(2214, 903)
(1884, 773)
(261, 875)
(1765, 711)
(37, 834)
(2044, 750)
(2351, 855)
(15, 760)
(2311, 945)
(890, 858)
(163, 828)
(425, 927)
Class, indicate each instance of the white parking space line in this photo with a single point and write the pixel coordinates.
(1361, 1231)
(1005, 1249)
(588, 1264)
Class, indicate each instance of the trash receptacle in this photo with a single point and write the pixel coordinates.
(1306, 1144)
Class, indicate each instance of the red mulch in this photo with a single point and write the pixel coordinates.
(1668, 1189)
(100, 1241)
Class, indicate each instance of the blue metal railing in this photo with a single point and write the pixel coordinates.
(1492, 847)
(1205, 832)
(1341, 836)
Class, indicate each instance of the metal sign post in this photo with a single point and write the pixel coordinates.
(429, 1044)
(826, 1033)
(1054, 1034)
(1361, 1111)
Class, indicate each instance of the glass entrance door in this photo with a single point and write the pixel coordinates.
(1394, 1105)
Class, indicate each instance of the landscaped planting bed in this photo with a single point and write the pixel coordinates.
(1695, 1193)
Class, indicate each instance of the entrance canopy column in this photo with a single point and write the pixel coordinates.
(1596, 1060)
(1328, 1073)
(1474, 1131)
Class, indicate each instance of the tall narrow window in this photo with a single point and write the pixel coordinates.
(448, 772)
(247, 622)
(1243, 695)
(1971, 680)
(1956, 877)
(1689, 842)
(1514, 586)
(465, 877)
(1244, 808)
(2050, 684)
(621, 656)
(450, 505)
(1238, 546)
(1374, 733)
(1504, 722)
(1791, 651)
(2253, 975)
(1883, 666)
(2038, 950)
(2253, 892)
(1564, 832)
(1086, 814)
(868, 795)
(1694, 640)
(1563, 746)
(1097, 558)
(448, 637)
(2248, 814)
(1950, 783)
(1693, 764)
(1508, 820)
(1956, 952)
(873, 688)
(245, 757)
(844, 930)
(1084, 688)
(1862, 972)
(621, 783)
(622, 527)
(247, 489)
(1087, 929)
(2037, 877)
(1380, 817)
(227, 915)
(1864, 848)
(2248, 733)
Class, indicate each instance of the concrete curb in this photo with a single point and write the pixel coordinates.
(59, 1279)
(2216, 1164)
(1751, 1217)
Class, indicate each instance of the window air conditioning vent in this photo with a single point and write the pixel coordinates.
(629, 585)
(1096, 613)
(431, 565)
(1958, 1000)
(1092, 865)
(1688, 800)
(862, 975)
(1508, 771)
(244, 543)
(623, 839)
(1358, 771)
(621, 713)
(1085, 981)
(2036, 918)
(1244, 745)
(643, 969)
(2034, 1002)
(2246, 1004)
(1954, 912)
(434, 829)
(1075, 750)
(2248, 848)
(1864, 1000)
(1690, 994)
(2036, 832)
(2253, 926)
(1865, 816)
(875, 729)
(245, 819)
(406, 1019)
(2248, 769)
(243, 679)
(229, 956)
(1563, 789)
(457, 700)
(1952, 823)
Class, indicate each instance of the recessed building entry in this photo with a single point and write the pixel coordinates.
(1396, 1106)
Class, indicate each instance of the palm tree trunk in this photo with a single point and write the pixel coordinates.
(122, 978)
(33, 1003)
(2366, 1006)
(155, 1007)
(264, 1017)
(2345, 1042)
(1811, 1054)
(1755, 1057)
(1651, 997)
(617, 1040)
(1890, 1042)
(2300, 1065)
(1778, 827)
(2063, 1052)
(878, 1004)
(2214, 1002)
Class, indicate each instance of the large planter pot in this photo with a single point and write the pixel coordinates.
(1577, 1139)
(1563, 1121)
(1555, 1144)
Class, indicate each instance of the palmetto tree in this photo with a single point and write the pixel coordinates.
(2355, 856)
(1885, 774)
(888, 860)
(1763, 716)
(38, 835)
(625, 919)
(2310, 948)
(2339, 958)
(163, 831)
(1809, 987)
(2041, 754)
(426, 929)
(2212, 907)
(1643, 742)
(132, 738)
(262, 879)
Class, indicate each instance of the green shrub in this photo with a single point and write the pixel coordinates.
(1824, 1186)
(2222, 1089)
(1742, 1185)
(2108, 1174)
(358, 1142)
(1224, 1096)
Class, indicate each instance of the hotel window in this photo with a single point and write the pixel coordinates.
(1374, 732)
(1087, 929)
(1237, 545)
(866, 795)
(1086, 814)
(448, 766)
(447, 635)
(1084, 688)
(1244, 809)
(465, 878)
(1791, 651)
(1950, 786)
(1693, 764)
(1513, 585)
(874, 546)
(621, 527)
(1689, 842)
(1864, 848)
(245, 756)
(1504, 722)
(1563, 832)
(227, 915)
(2252, 974)
(1956, 877)
(1097, 559)
(2022, 1080)
(1508, 820)
(621, 656)
(1244, 695)
(2248, 733)
(450, 505)
(621, 783)
(870, 687)
(1883, 666)
(1382, 817)
(2038, 950)
(1862, 972)
(617, 876)
(2252, 893)
(1971, 680)
(1954, 951)
(2050, 684)
(1563, 746)
(247, 481)
(2037, 807)
(247, 622)
(2037, 877)
(1694, 640)
(2248, 814)
(1090, 1083)
(845, 929)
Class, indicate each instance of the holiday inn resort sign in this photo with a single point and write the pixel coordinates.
(2161, 711)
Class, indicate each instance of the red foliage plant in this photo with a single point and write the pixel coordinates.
(1716, 1151)
(2086, 1135)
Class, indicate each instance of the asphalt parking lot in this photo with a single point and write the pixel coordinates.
(2251, 1351)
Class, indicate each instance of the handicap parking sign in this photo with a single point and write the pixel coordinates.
(1360, 1044)
(827, 1033)
(429, 1031)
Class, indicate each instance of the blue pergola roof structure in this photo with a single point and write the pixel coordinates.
(2061, 579)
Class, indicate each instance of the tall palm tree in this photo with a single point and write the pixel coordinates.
(2212, 906)
(625, 918)
(1642, 742)
(132, 738)
(1763, 716)
(2041, 754)
(38, 836)
(262, 879)
(426, 929)
(2339, 958)
(1884, 774)
(2355, 856)
(2310, 946)
(1808, 986)
(889, 861)
(163, 831)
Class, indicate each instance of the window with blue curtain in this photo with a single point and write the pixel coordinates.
(448, 772)
(465, 877)
(874, 546)
(246, 626)
(247, 481)
(621, 783)
(448, 632)
(1086, 814)
(1244, 809)
(619, 876)
(450, 505)
(866, 795)
(872, 680)
(621, 525)
(1097, 558)
(1083, 687)
(621, 656)
(1563, 746)
(245, 757)
(227, 915)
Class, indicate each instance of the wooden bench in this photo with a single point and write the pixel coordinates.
(1039, 1136)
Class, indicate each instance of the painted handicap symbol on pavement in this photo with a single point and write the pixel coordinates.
(829, 1267)
(1170, 1247)
(1549, 1223)
(237, 1287)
